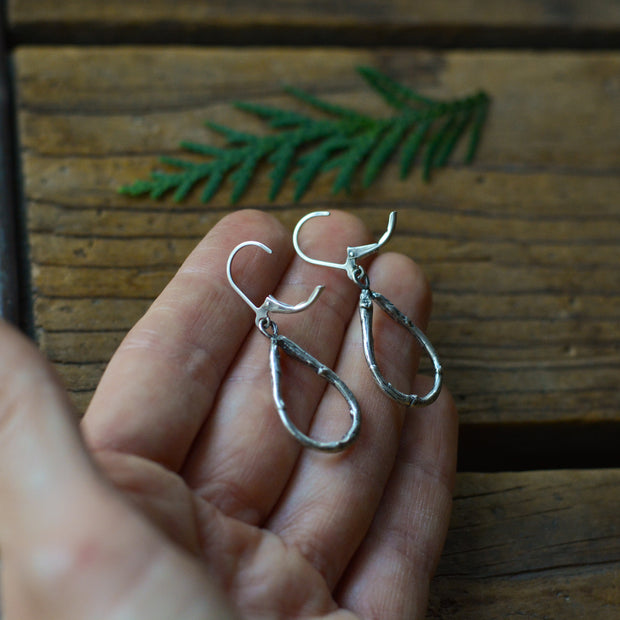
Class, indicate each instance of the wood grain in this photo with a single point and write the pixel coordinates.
(521, 248)
(438, 22)
(541, 544)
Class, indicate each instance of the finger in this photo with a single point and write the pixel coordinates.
(329, 505)
(70, 547)
(244, 456)
(390, 574)
(160, 385)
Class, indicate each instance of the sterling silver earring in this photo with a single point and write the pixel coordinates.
(268, 328)
(367, 297)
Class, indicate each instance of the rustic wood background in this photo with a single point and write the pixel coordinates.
(522, 249)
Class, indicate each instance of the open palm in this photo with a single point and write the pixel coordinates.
(184, 497)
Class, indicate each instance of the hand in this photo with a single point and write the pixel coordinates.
(184, 497)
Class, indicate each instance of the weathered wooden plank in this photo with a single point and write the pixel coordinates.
(541, 544)
(148, 99)
(521, 248)
(438, 22)
(439, 11)
(88, 315)
(88, 347)
(592, 594)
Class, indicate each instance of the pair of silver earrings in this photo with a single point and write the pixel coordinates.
(367, 297)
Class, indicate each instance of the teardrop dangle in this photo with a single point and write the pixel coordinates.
(294, 351)
(367, 298)
(269, 329)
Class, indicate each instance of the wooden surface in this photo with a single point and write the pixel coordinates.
(532, 545)
(595, 23)
(522, 248)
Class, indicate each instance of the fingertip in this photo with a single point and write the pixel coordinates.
(249, 224)
(255, 272)
(327, 238)
(405, 283)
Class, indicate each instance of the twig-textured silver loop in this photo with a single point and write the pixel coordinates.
(294, 351)
(367, 297)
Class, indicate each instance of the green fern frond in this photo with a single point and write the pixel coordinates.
(397, 95)
(412, 145)
(358, 150)
(282, 161)
(312, 163)
(384, 150)
(200, 149)
(277, 118)
(303, 147)
(479, 117)
(321, 105)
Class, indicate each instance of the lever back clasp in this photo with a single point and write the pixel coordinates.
(354, 271)
(271, 304)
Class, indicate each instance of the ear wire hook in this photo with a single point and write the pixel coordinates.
(271, 304)
(354, 271)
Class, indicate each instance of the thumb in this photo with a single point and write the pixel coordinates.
(71, 546)
(42, 459)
